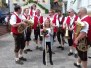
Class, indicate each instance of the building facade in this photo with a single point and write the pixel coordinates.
(20, 2)
(76, 4)
(14, 2)
(45, 3)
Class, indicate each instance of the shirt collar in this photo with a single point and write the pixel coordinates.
(84, 17)
(17, 14)
(72, 16)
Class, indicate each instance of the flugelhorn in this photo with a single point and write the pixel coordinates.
(22, 27)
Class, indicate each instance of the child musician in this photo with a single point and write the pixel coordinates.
(47, 41)
(27, 32)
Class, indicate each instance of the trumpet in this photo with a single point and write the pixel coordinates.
(67, 32)
(22, 27)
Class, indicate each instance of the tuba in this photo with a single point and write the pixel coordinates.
(82, 43)
(22, 27)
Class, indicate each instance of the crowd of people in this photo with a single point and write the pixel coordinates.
(54, 25)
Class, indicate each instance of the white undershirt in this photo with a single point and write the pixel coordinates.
(13, 18)
(51, 19)
(23, 17)
(86, 27)
(59, 19)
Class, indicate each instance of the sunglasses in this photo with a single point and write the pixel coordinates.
(69, 12)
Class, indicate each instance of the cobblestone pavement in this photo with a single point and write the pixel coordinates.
(34, 59)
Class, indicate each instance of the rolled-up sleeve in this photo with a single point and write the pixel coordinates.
(13, 20)
(23, 17)
(85, 28)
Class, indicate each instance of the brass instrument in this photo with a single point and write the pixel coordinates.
(82, 43)
(67, 32)
(79, 26)
(39, 26)
(22, 27)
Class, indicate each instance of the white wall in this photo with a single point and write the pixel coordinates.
(78, 4)
(70, 4)
(46, 5)
(11, 6)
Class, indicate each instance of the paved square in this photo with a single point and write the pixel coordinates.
(34, 59)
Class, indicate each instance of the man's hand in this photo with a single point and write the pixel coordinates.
(53, 25)
(24, 23)
(76, 41)
(75, 22)
(71, 28)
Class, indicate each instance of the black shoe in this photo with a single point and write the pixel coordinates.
(22, 58)
(51, 62)
(19, 62)
(37, 47)
(44, 63)
(59, 47)
(75, 55)
(89, 57)
(70, 53)
(28, 50)
(40, 48)
(62, 48)
(75, 64)
(25, 51)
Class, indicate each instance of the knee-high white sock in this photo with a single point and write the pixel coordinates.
(20, 55)
(78, 63)
(16, 59)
